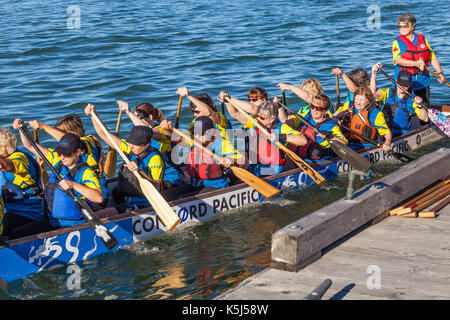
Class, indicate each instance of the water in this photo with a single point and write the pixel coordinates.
(143, 51)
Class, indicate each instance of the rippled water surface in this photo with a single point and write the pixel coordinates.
(143, 51)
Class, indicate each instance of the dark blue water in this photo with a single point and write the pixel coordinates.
(143, 51)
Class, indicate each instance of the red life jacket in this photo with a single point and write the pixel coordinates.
(202, 165)
(415, 52)
(311, 150)
(268, 153)
(359, 122)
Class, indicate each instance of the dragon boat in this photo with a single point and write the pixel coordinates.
(28, 255)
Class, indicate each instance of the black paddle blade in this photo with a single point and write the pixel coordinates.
(351, 156)
(100, 230)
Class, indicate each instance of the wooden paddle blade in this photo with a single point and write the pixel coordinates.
(159, 204)
(4, 286)
(263, 187)
(303, 165)
(351, 156)
(110, 163)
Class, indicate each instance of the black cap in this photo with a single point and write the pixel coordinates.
(68, 144)
(140, 135)
(404, 78)
(201, 125)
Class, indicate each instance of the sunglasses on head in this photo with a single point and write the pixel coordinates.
(313, 107)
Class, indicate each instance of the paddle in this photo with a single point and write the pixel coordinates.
(434, 74)
(263, 187)
(343, 151)
(178, 111)
(44, 174)
(399, 156)
(294, 157)
(111, 156)
(439, 121)
(159, 204)
(4, 286)
(101, 231)
(338, 94)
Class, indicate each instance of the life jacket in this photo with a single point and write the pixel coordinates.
(57, 203)
(414, 52)
(202, 165)
(396, 113)
(128, 184)
(267, 153)
(359, 122)
(312, 150)
(12, 192)
(2, 213)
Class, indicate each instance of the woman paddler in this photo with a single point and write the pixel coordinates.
(20, 184)
(60, 210)
(145, 114)
(317, 148)
(364, 118)
(143, 158)
(206, 172)
(91, 153)
(265, 157)
(400, 111)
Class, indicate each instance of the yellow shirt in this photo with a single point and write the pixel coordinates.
(154, 167)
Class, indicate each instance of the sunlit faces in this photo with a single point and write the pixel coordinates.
(405, 28)
(256, 100)
(318, 109)
(70, 160)
(361, 102)
(265, 120)
(138, 150)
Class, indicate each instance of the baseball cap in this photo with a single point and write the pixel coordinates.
(404, 78)
(68, 144)
(140, 135)
(201, 125)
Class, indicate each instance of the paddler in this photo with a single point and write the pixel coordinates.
(364, 118)
(60, 210)
(146, 114)
(91, 153)
(265, 157)
(206, 172)
(317, 148)
(20, 184)
(358, 77)
(143, 158)
(400, 111)
(412, 52)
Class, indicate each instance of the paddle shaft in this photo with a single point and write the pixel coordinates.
(343, 151)
(159, 204)
(405, 91)
(180, 101)
(263, 187)
(295, 158)
(337, 92)
(111, 158)
(44, 175)
(108, 239)
(434, 74)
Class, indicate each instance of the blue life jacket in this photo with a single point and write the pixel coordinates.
(396, 112)
(24, 200)
(61, 209)
(128, 184)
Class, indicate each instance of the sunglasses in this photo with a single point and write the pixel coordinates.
(403, 26)
(254, 99)
(313, 107)
(261, 118)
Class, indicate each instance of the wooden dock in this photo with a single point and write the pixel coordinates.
(395, 259)
(410, 257)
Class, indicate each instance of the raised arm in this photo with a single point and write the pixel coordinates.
(232, 110)
(204, 107)
(88, 110)
(18, 123)
(373, 80)
(351, 86)
(299, 92)
(54, 132)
